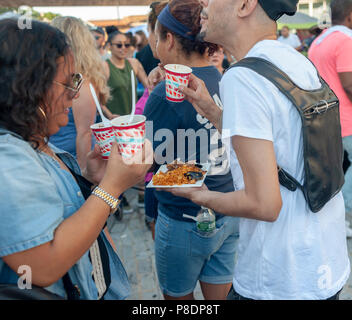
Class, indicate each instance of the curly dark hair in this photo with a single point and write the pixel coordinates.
(28, 65)
(188, 13)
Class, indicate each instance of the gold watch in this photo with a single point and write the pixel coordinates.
(108, 198)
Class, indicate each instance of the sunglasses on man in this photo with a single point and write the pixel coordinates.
(77, 81)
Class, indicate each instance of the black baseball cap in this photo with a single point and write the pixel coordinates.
(277, 8)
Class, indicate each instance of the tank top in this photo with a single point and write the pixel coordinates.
(65, 139)
(121, 89)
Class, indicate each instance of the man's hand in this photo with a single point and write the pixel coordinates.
(198, 94)
(197, 195)
(260, 199)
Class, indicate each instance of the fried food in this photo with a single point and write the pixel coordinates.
(179, 174)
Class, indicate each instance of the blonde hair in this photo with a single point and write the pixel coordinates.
(88, 61)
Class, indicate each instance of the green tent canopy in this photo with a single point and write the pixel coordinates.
(298, 21)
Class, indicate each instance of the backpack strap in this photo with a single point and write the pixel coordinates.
(279, 79)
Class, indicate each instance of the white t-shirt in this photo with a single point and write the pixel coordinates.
(292, 40)
(302, 255)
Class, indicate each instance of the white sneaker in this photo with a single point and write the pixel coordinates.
(348, 232)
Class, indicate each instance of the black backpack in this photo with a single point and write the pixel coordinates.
(322, 141)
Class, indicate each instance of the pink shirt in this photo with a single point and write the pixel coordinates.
(332, 56)
(139, 110)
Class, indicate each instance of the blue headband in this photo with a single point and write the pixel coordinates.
(170, 22)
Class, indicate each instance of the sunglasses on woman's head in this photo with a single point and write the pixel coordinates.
(153, 5)
(120, 45)
(77, 81)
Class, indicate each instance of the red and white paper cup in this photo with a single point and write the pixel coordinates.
(104, 137)
(176, 75)
(130, 136)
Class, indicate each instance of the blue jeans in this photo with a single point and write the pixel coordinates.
(347, 187)
(183, 256)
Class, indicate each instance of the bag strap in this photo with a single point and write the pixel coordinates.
(86, 189)
(73, 292)
(283, 82)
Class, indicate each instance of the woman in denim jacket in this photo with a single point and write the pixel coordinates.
(46, 224)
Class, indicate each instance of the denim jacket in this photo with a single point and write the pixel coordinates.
(36, 196)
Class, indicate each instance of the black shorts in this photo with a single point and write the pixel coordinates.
(233, 295)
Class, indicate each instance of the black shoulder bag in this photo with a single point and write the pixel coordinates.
(322, 141)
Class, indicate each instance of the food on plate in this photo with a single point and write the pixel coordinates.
(179, 173)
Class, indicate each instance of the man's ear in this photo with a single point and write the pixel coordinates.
(246, 8)
(349, 20)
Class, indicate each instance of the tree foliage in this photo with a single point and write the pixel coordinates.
(47, 16)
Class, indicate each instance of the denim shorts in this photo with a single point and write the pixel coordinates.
(183, 256)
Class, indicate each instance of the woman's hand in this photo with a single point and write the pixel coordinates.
(122, 174)
(155, 77)
(96, 166)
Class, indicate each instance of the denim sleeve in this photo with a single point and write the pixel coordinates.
(30, 206)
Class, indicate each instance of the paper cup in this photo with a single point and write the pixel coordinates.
(176, 75)
(130, 136)
(104, 136)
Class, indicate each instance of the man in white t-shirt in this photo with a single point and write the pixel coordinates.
(285, 251)
(290, 38)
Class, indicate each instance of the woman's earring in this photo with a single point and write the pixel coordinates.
(43, 113)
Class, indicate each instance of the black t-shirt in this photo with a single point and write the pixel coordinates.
(171, 122)
(146, 58)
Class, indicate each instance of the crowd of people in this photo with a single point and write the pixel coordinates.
(57, 193)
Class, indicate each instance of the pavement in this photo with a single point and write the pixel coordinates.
(135, 247)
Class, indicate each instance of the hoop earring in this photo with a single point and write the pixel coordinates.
(43, 113)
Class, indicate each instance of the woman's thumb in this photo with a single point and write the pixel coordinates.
(95, 153)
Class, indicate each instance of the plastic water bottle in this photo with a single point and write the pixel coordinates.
(206, 222)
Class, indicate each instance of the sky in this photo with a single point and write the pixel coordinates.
(97, 13)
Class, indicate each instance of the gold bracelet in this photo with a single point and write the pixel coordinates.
(108, 198)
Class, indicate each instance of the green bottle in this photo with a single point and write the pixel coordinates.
(206, 222)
